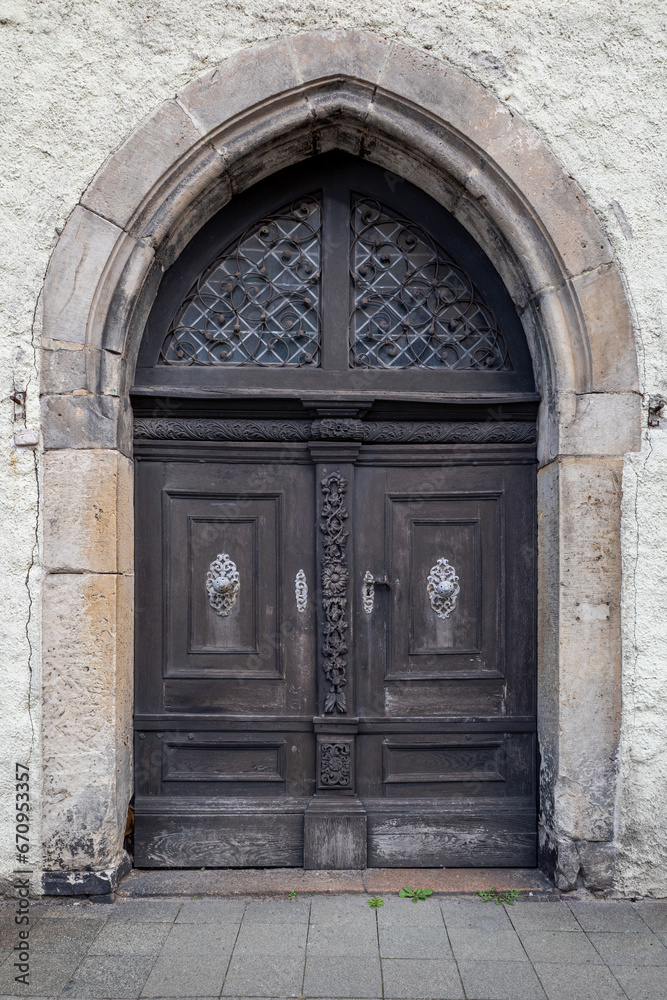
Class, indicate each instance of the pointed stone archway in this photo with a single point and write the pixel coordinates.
(266, 108)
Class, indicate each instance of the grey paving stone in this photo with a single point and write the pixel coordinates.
(211, 911)
(607, 915)
(341, 909)
(109, 976)
(630, 948)
(578, 982)
(343, 939)
(58, 937)
(355, 977)
(417, 978)
(542, 917)
(471, 943)
(272, 939)
(9, 931)
(474, 913)
(72, 911)
(48, 975)
(275, 911)
(193, 961)
(145, 910)
(259, 976)
(129, 938)
(569, 947)
(414, 942)
(655, 916)
(648, 983)
(500, 981)
(401, 912)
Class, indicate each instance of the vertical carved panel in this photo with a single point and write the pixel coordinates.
(335, 578)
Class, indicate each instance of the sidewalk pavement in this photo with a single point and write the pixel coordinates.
(443, 948)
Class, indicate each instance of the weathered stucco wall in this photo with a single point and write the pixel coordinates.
(588, 77)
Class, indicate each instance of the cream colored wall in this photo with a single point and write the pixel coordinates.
(587, 75)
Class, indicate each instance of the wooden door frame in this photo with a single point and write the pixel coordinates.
(423, 120)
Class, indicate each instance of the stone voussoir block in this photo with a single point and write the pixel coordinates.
(151, 151)
(609, 327)
(76, 267)
(599, 423)
(243, 80)
(357, 54)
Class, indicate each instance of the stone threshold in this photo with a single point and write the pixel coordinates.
(371, 881)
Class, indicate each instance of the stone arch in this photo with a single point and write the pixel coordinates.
(261, 110)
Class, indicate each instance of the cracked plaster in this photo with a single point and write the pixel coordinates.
(588, 76)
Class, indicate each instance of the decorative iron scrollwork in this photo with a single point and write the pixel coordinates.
(334, 591)
(258, 303)
(335, 760)
(222, 584)
(301, 591)
(414, 306)
(368, 592)
(443, 588)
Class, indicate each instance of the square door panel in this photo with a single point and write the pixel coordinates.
(236, 643)
(457, 540)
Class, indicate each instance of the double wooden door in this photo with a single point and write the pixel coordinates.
(335, 654)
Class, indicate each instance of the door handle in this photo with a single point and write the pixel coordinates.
(368, 590)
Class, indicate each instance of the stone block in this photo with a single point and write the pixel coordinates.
(74, 273)
(69, 422)
(608, 322)
(557, 201)
(598, 864)
(64, 367)
(431, 84)
(81, 516)
(322, 54)
(239, 83)
(598, 423)
(129, 272)
(131, 174)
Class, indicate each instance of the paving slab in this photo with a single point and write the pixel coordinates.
(649, 983)
(473, 913)
(630, 948)
(211, 911)
(144, 910)
(355, 977)
(654, 916)
(469, 944)
(271, 911)
(404, 913)
(272, 939)
(193, 961)
(542, 916)
(500, 981)
(264, 976)
(583, 982)
(561, 947)
(63, 936)
(130, 938)
(415, 979)
(414, 942)
(457, 880)
(49, 975)
(342, 940)
(607, 915)
(109, 977)
(340, 910)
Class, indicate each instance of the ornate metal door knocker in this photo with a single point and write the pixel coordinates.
(443, 588)
(222, 584)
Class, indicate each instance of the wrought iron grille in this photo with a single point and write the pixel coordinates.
(414, 307)
(258, 303)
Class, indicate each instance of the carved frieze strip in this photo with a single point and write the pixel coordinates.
(335, 579)
(336, 429)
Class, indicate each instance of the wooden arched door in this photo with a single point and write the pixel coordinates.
(335, 504)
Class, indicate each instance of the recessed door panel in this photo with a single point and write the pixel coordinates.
(223, 555)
